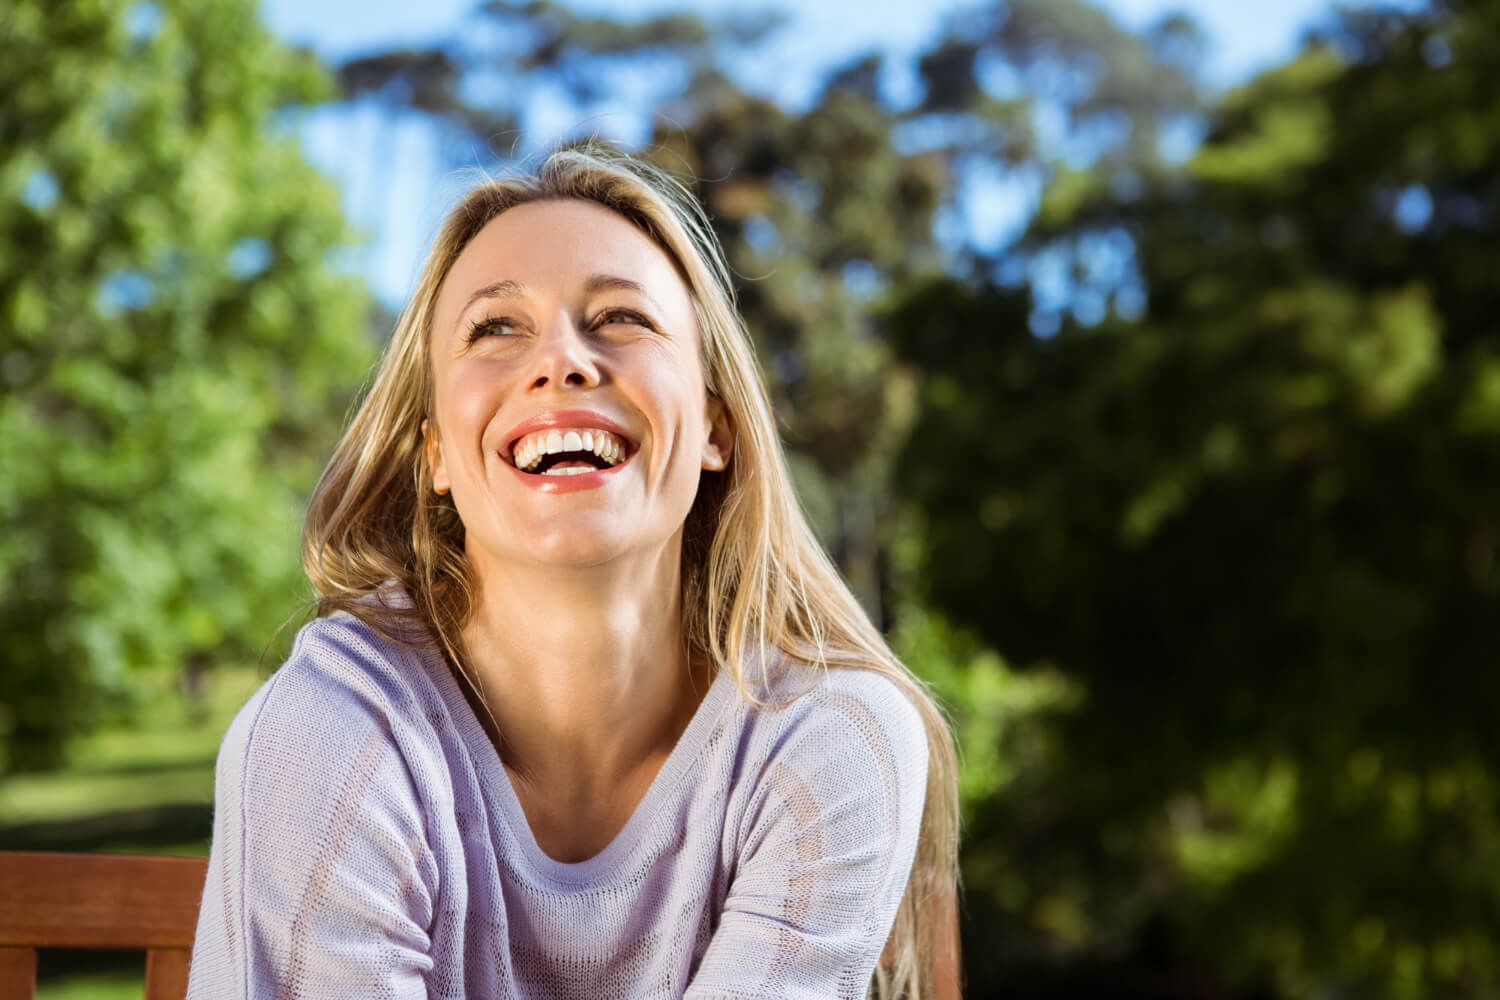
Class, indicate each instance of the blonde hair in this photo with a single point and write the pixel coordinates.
(754, 577)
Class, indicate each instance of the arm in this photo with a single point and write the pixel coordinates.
(827, 848)
(319, 880)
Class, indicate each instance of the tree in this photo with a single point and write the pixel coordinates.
(1254, 524)
(176, 348)
(822, 212)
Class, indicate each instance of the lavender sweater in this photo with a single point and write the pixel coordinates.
(367, 843)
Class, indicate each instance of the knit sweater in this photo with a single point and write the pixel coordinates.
(367, 842)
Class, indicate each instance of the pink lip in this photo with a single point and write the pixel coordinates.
(565, 418)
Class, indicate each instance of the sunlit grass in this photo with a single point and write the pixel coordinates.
(65, 794)
(165, 756)
(94, 986)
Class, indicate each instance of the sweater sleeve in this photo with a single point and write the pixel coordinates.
(320, 883)
(826, 848)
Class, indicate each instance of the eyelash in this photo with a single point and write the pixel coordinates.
(482, 327)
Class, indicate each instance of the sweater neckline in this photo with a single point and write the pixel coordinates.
(648, 812)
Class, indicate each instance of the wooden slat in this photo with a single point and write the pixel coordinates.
(17, 973)
(99, 900)
(167, 973)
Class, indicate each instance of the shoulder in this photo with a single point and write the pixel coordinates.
(832, 804)
(851, 741)
(848, 709)
(343, 658)
(872, 703)
(342, 665)
(336, 706)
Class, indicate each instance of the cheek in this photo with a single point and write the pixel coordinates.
(688, 402)
(466, 404)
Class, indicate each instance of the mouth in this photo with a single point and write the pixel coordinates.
(570, 451)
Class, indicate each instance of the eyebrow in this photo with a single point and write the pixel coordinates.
(608, 282)
(499, 290)
(599, 282)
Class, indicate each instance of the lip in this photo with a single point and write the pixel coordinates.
(566, 418)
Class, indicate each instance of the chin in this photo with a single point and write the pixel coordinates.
(568, 542)
(574, 552)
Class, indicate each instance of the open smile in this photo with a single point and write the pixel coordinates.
(568, 450)
(567, 480)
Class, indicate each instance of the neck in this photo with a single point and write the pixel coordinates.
(582, 671)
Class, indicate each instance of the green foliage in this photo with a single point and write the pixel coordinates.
(176, 349)
(998, 714)
(1256, 527)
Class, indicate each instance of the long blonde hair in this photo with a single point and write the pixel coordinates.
(754, 578)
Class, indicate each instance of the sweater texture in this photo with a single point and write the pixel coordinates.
(368, 842)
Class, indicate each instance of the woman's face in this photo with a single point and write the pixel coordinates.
(571, 421)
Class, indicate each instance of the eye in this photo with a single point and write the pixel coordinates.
(493, 326)
(628, 317)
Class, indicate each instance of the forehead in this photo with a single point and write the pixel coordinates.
(556, 248)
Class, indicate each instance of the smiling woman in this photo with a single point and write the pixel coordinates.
(587, 711)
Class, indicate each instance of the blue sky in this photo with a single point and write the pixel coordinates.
(396, 192)
(1246, 34)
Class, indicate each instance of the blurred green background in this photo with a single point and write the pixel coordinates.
(1185, 495)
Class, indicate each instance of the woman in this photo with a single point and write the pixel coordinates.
(587, 711)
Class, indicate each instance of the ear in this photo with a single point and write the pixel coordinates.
(435, 464)
(719, 442)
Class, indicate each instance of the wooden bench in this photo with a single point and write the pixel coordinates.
(98, 901)
(131, 901)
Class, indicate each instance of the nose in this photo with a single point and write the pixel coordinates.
(564, 357)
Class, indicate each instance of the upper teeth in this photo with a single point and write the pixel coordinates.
(531, 449)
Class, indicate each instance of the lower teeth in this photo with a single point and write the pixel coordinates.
(574, 471)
